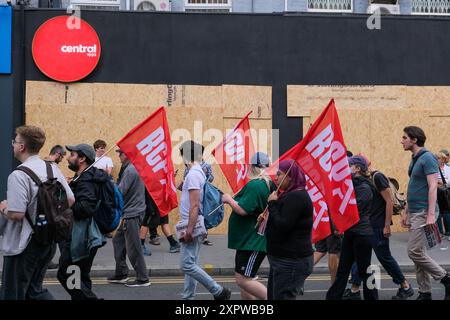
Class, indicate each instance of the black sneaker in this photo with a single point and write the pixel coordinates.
(349, 295)
(175, 248)
(225, 294)
(138, 283)
(117, 279)
(424, 296)
(52, 266)
(403, 294)
(446, 282)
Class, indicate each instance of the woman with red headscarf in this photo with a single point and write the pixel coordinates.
(289, 228)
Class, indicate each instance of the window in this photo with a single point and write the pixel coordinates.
(330, 5)
(208, 6)
(96, 4)
(434, 7)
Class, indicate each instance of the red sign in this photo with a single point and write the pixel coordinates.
(233, 154)
(149, 148)
(66, 48)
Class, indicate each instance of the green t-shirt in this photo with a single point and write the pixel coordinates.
(242, 234)
(418, 185)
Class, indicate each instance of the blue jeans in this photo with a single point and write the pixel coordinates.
(287, 277)
(193, 272)
(444, 221)
(380, 245)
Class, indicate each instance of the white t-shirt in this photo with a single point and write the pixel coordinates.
(22, 196)
(446, 173)
(195, 180)
(105, 162)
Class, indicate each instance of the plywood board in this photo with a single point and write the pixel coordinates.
(158, 95)
(428, 97)
(355, 125)
(80, 94)
(239, 100)
(303, 99)
(45, 92)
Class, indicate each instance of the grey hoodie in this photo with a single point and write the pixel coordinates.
(133, 191)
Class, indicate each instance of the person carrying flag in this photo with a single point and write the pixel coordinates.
(250, 247)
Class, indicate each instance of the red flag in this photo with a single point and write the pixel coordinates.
(233, 154)
(321, 220)
(149, 148)
(322, 156)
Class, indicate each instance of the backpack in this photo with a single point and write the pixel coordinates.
(213, 208)
(52, 203)
(109, 208)
(398, 198)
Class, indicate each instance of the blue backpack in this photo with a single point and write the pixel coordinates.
(109, 207)
(213, 208)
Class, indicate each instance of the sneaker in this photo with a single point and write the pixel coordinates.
(349, 295)
(424, 296)
(146, 251)
(403, 294)
(138, 283)
(225, 294)
(155, 241)
(117, 279)
(52, 266)
(175, 248)
(207, 242)
(446, 282)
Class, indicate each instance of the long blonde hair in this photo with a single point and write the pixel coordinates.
(257, 173)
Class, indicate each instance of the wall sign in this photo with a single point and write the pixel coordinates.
(66, 50)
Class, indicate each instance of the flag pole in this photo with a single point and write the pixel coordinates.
(266, 211)
(106, 152)
(258, 176)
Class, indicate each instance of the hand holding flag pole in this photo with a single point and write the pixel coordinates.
(263, 217)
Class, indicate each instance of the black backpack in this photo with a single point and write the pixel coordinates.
(52, 203)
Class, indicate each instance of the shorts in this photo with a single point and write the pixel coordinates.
(247, 263)
(330, 245)
(154, 221)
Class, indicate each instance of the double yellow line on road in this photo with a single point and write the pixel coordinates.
(222, 279)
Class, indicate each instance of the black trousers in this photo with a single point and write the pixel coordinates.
(354, 248)
(85, 291)
(23, 274)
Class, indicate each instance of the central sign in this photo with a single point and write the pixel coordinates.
(66, 51)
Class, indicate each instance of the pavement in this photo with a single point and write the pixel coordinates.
(218, 260)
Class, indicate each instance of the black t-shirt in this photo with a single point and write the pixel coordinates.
(378, 214)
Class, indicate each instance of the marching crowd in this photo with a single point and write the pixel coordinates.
(37, 186)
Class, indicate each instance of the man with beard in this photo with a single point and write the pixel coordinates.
(81, 250)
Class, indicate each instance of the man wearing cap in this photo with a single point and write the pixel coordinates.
(126, 241)
(85, 188)
(250, 247)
